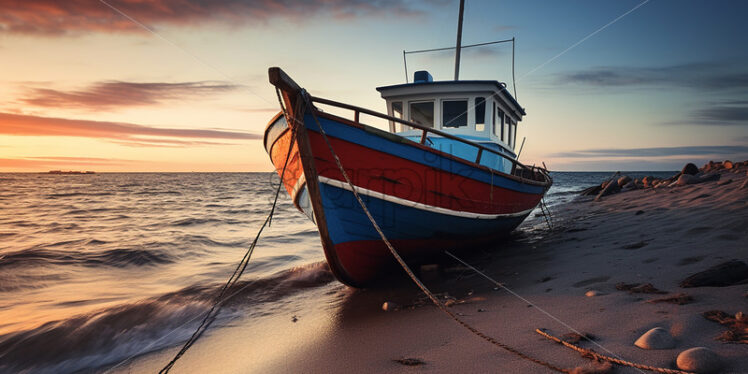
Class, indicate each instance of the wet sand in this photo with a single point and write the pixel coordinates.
(658, 236)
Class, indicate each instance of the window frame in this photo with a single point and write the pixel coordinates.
(467, 107)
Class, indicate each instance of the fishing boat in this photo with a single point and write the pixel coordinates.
(444, 177)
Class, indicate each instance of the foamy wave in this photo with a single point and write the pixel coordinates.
(111, 335)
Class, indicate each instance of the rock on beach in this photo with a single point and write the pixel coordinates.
(699, 360)
(656, 338)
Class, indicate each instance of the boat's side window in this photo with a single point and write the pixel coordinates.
(422, 113)
(498, 122)
(454, 113)
(514, 135)
(480, 113)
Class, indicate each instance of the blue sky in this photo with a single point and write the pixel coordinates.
(86, 87)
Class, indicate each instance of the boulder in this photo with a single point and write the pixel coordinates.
(656, 338)
(699, 360)
(686, 179)
(725, 274)
(728, 164)
(630, 186)
(622, 181)
(690, 169)
(647, 181)
(708, 177)
(609, 189)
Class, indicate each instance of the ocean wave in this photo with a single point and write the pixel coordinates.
(118, 257)
(111, 335)
(74, 194)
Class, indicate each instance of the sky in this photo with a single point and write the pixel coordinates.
(181, 85)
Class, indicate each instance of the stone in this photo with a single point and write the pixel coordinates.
(728, 164)
(699, 360)
(647, 181)
(724, 182)
(744, 185)
(592, 293)
(389, 306)
(708, 177)
(656, 338)
(690, 169)
(622, 181)
(686, 179)
(609, 189)
(725, 274)
(630, 186)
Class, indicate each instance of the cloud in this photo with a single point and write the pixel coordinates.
(54, 17)
(123, 133)
(713, 76)
(113, 94)
(731, 113)
(685, 151)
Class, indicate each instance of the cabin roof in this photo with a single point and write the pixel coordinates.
(441, 85)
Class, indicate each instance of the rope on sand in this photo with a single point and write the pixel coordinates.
(590, 353)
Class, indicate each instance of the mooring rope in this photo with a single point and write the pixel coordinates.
(407, 269)
(589, 352)
(216, 308)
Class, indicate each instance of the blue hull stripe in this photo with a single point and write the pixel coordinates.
(347, 222)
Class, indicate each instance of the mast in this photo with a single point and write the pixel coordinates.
(459, 40)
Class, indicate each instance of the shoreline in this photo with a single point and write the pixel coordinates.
(658, 236)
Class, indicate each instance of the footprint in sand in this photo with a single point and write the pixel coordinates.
(690, 260)
(590, 281)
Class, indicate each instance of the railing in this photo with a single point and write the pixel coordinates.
(531, 173)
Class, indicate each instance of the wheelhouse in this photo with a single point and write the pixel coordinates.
(481, 111)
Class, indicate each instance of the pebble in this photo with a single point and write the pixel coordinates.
(656, 338)
(699, 360)
(592, 293)
(389, 306)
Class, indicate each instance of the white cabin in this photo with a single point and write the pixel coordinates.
(481, 111)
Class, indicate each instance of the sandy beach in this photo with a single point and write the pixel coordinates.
(656, 236)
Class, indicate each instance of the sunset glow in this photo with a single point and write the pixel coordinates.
(182, 85)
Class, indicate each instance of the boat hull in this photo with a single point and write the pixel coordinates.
(424, 200)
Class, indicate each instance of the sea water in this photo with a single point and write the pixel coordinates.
(97, 268)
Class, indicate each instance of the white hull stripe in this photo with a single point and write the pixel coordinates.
(299, 183)
(413, 204)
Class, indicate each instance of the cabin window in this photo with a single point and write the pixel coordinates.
(514, 133)
(510, 130)
(454, 113)
(397, 109)
(480, 113)
(422, 113)
(498, 122)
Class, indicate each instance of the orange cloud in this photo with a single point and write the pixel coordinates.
(112, 94)
(54, 17)
(124, 133)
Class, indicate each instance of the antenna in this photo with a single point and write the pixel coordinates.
(459, 40)
(521, 146)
